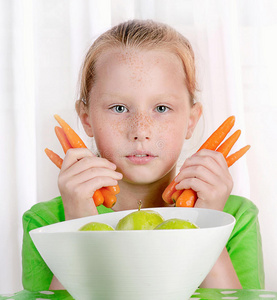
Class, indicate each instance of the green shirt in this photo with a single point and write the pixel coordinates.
(244, 245)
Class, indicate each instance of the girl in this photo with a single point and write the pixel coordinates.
(137, 99)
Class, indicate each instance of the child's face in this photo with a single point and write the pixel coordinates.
(140, 112)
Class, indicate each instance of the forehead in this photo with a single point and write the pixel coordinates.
(138, 74)
(139, 59)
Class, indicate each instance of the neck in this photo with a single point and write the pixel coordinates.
(149, 194)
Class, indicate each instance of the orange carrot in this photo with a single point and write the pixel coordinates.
(72, 136)
(226, 147)
(219, 134)
(98, 198)
(114, 189)
(62, 138)
(168, 192)
(187, 198)
(176, 195)
(54, 157)
(109, 197)
(70, 139)
(235, 156)
(211, 143)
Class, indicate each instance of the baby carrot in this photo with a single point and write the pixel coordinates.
(226, 147)
(54, 157)
(62, 138)
(72, 136)
(219, 134)
(176, 195)
(168, 192)
(187, 198)
(114, 189)
(235, 156)
(70, 139)
(211, 143)
(109, 197)
(98, 198)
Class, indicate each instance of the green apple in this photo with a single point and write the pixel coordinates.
(96, 226)
(140, 220)
(176, 223)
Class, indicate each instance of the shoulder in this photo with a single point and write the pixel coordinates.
(247, 224)
(50, 212)
(44, 213)
(240, 207)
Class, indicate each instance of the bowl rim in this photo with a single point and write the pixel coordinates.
(47, 228)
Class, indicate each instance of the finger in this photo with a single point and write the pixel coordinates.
(87, 188)
(85, 159)
(209, 161)
(92, 173)
(205, 157)
(205, 191)
(89, 163)
(195, 173)
(216, 156)
(73, 155)
(196, 184)
(205, 169)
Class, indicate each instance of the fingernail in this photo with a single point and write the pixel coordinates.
(113, 165)
(120, 175)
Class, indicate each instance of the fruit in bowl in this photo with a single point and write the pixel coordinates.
(176, 223)
(96, 226)
(140, 220)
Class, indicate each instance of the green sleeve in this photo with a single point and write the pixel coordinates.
(244, 245)
(36, 276)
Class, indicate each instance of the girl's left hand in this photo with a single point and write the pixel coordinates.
(207, 173)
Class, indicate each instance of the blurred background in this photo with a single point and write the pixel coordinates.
(43, 43)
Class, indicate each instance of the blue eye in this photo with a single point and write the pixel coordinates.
(119, 109)
(162, 109)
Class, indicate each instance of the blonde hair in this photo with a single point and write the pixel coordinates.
(139, 34)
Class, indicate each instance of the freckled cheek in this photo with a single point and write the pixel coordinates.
(108, 140)
(170, 138)
(119, 128)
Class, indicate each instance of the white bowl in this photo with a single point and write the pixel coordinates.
(134, 265)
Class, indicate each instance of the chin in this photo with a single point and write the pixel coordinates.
(141, 178)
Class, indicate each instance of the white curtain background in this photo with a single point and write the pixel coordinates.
(42, 45)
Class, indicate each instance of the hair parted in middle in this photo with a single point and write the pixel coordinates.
(139, 35)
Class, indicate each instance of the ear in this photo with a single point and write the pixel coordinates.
(195, 114)
(82, 111)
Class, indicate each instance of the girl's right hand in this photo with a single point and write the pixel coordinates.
(82, 173)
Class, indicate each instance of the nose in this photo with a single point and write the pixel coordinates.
(140, 128)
